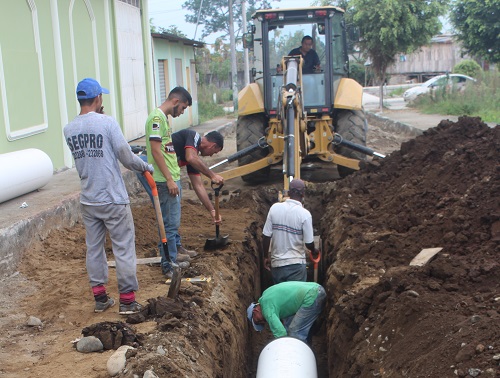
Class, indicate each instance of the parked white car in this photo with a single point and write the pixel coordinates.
(456, 81)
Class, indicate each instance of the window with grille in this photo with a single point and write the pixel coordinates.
(134, 3)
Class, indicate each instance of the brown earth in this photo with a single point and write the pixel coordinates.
(383, 318)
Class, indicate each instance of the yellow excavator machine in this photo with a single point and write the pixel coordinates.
(293, 117)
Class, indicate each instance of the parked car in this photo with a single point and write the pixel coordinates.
(456, 81)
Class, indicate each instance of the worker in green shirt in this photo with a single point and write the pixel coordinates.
(290, 308)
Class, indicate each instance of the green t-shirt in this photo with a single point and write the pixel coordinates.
(157, 129)
(283, 300)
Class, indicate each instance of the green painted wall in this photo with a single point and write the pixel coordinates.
(167, 50)
(46, 48)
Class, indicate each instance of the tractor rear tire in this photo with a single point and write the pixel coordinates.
(352, 126)
(249, 129)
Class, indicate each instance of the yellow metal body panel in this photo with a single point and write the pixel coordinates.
(250, 100)
(349, 95)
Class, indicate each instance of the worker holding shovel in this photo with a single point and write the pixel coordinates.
(97, 145)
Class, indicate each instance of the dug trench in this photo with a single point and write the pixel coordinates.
(383, 317)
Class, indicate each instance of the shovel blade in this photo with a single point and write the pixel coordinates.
(216, 242)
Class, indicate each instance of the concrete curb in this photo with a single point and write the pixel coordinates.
(389, 125)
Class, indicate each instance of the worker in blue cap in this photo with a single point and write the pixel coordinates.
(290, 308)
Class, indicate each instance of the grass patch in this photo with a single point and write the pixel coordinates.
(398, 92)
(207, 108)
(481, 99)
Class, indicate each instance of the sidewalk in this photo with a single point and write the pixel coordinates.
(56, 205)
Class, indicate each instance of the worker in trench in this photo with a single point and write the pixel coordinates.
(289, 226)
(290, 309)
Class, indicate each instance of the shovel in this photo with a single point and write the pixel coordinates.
(316, 262)
(176, 276)
(218, 241)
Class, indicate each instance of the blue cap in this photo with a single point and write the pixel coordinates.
(258, 327)
(89, 88)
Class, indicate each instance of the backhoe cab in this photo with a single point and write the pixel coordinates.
(287, 117)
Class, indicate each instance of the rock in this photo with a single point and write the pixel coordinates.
(474, 372)
(475, 319)
(160, 350)
(117, 361)
(149, 374)
(89, 344)
(34, 322)
(465, 353)
(480, 348)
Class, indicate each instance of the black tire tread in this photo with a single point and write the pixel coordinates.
(352, 126)
(249, 129)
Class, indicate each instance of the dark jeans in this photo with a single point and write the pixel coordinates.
(292, 272)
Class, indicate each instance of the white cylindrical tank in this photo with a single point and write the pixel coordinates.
(287, 357)
(23, 171)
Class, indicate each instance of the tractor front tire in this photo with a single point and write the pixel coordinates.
(352, 126)
(249, 129)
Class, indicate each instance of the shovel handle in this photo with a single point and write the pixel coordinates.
(151, 183)
(216, 206)
(159, 217)
(315, 261)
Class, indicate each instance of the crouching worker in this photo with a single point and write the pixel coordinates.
(290, 309)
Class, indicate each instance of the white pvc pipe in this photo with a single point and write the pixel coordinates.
(287, 357)
(23, 171)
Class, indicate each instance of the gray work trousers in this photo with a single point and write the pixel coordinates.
(117, 219)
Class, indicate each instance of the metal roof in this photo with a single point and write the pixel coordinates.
(175, 38)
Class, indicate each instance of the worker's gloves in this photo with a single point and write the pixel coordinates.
(150, 168)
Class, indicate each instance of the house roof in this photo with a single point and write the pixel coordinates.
(176, 39)
(443, 38)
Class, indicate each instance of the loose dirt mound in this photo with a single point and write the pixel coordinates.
(441, 320)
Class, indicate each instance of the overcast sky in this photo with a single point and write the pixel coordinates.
(169, 12)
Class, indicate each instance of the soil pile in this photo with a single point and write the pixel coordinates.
(390, 319)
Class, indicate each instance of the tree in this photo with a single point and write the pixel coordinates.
(393, 27)
(478, 26)
(214, 14)
(172, 29)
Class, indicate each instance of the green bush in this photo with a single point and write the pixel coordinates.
(468, 67)
(357, 72)
(227, 95)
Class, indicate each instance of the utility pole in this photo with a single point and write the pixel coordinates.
(198, 20)
(234, 72)
(244, 15)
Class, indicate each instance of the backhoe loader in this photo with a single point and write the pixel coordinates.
(287, 117)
